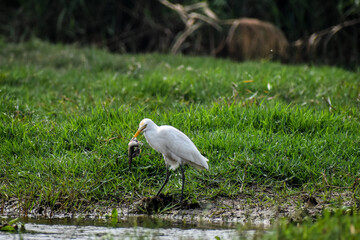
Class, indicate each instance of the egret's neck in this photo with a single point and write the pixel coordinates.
(151, 135)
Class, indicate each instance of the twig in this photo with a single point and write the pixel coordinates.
(245, 173)
(332, 186)
(106, 142)
(327, 100)
(192, 20)
(325, 179)
(112, 138)
(183, 37)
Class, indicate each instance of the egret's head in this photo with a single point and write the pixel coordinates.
(144, 124)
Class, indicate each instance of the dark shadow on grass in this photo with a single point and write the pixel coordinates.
(162, 203)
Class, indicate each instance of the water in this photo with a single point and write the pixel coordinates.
(132, 228)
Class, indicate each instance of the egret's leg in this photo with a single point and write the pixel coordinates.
(166, 180)
(183, 181)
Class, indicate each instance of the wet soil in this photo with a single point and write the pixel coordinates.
(256, 208)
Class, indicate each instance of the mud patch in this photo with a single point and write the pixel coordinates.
(260, 207)
(162, 203)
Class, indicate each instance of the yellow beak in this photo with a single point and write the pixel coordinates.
(139, 131)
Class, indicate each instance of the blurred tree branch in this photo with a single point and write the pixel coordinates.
(191, 20)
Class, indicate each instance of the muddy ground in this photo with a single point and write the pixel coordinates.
(257, 208)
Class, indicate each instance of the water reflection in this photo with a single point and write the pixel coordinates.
(130, 228)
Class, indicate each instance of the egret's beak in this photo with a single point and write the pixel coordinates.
(139, 131)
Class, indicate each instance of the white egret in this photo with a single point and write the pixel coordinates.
(176, 148)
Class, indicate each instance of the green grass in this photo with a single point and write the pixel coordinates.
(332, 225)
(67, 114)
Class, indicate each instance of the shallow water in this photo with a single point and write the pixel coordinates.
(132, 228)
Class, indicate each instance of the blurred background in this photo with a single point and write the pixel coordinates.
(293, 31)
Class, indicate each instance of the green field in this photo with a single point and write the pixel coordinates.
(67, 114)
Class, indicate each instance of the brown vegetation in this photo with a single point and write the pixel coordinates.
(250, 38)
(339, 43)
(247, 39)
(192, 27)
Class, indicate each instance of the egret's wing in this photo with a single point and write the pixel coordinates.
(178, 146)
(176, 142)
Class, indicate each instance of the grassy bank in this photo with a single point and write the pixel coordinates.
(67, 115)
(332, 225)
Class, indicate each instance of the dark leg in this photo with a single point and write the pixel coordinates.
(166, 180)
(183, 182)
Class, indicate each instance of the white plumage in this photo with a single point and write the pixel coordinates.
(176, 148)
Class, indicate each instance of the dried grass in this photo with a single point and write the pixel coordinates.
(250, 39)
